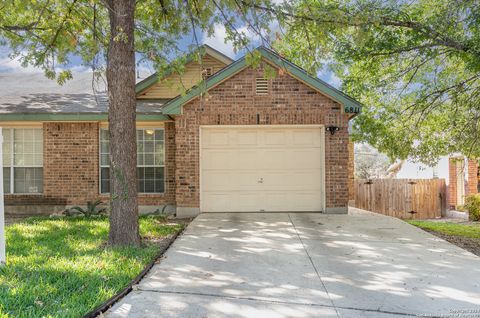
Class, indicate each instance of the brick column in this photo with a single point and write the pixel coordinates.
(472, 184)
(452, 184)
(70, 162)
(351, 171)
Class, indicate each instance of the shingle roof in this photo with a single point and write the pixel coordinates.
(33, 93)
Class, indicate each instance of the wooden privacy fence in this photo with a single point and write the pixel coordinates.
(402, 198)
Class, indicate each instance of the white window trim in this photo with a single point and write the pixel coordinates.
(100, 166)
(12, 165)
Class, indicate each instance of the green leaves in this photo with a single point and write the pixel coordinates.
(49, 33)
(415, 66)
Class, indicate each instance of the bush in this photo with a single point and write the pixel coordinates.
(91, 210)
(472, 205)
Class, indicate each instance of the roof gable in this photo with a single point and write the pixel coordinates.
(174, 106)
(205, 50)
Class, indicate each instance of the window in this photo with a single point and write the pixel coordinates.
(23, 160)
(261, 87)
(150, 161)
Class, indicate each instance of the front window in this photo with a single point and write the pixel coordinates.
(22, 160)
(150, 160)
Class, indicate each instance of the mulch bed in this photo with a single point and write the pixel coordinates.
(467, 243)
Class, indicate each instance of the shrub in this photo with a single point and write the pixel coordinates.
(472, 205)
(90, 211)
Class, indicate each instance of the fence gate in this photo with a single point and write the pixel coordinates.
(402, 198)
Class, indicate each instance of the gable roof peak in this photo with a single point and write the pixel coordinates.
(203, 49)
(174, 106)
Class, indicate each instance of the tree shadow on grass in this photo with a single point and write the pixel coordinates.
(62, 268)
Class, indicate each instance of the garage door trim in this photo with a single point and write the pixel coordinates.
(322, 153)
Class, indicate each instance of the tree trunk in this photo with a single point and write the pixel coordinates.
(121, 121)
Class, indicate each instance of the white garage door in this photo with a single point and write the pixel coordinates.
(262, 168)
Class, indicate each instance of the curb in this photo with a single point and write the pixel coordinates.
(113, 300)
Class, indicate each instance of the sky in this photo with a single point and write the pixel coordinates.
(217, 41)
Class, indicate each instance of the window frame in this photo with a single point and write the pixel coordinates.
(100, 166)
(12, 165)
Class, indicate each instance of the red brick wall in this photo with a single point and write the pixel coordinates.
(71, 168)
(234, 102)
(452, 183)
(351, 170)
(471, 183)
(472, 177)
(70, 161)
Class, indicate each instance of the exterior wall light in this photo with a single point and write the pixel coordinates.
(332, 129)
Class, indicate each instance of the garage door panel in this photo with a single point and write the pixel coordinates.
(215, 202)
(225, 180)
(306, 201)
(216, 138)
(275, 137)
(303, 137)
(221, 159)
(228, 202)
(216, 159)
(246, 202)
(292, 180)
(244, 159)
(271, 159)
(248, 137)
(290, 159)
(304, 158)
(261, 169)
(293, 201)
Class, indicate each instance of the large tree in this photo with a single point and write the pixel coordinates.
(415, 65)
(108, 34)
(369, 163)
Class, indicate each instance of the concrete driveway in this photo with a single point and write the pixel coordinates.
(307, 265)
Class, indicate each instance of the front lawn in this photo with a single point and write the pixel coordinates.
(62, 267)
(466, 236)
(458, 229)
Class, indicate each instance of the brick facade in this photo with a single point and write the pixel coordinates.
(234, 102)
(471, 182)
(452, 184)
(71, 149)
(70, 162)
(71, 170)
(351, 171)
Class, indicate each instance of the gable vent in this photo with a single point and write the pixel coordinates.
(261, 87)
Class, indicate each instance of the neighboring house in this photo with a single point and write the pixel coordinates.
(462, 176)
(235, 142)
(463, 179)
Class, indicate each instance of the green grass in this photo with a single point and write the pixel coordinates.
(466, 230)
(62, 268)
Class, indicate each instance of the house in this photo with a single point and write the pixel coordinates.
(234, 141)
(461, 174)
(464, 179)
